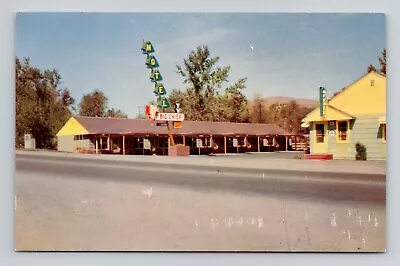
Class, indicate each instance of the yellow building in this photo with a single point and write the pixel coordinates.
(355, 114)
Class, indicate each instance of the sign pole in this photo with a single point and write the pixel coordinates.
(171, 137)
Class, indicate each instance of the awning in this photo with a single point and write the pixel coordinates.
(332, 114)
(382, 119)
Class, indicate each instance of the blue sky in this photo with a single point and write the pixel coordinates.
(293, 54)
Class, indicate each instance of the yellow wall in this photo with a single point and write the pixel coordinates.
(331, 114)
(360, 98)
(72, 127)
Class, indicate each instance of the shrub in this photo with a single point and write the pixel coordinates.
(361, 152)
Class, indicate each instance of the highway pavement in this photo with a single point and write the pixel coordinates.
(79, 204)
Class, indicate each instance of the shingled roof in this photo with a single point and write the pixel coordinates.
(106, 125)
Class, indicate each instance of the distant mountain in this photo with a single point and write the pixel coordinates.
(283, 100)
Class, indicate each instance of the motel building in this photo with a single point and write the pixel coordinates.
(103, 135)
(355, 114)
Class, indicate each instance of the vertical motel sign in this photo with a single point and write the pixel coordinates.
(322, 101)
(159, 89)
(155, 76)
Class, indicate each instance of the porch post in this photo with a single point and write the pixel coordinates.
(111, 145)
(258, 143)
(273, 143)
(97, 145)
(143, 145)
(123, 144)
(183, 141)
(286, 143)
(225, 144)
(108, 143)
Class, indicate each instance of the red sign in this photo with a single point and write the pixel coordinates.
(170, 117)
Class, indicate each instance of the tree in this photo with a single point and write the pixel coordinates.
(237, 108)
(93, 104)
(115, 113)
(257, 111)
(382, 62)
(141, 116)
(201, 100)
(371, 68)
(42, 107)
(288, 116)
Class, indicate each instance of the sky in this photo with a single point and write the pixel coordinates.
(281, 54)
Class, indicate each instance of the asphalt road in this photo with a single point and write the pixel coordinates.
(70, 204)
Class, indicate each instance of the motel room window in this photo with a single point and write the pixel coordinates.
(191, 142)
(138, 143)
(241, 142)
(384, 133)
(163, 142)
(229, 142)
(81, 137)
(343, 129)
(320, 133)
(103, 144)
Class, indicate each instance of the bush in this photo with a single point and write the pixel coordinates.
(361, 152)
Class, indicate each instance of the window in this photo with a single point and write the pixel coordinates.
(191, 142)
(81, 137)
(241, 142)
(343, 129)
(138, 143)
(319, 133)
(103, 144)
(384, 133)
(163, 142)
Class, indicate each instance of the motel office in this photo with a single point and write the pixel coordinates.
(355, 114)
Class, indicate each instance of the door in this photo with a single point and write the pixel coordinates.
(320, 138)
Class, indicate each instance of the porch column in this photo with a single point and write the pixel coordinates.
(211, 142)
(123, 144)
(143, 145)
(286, 143)
(225, 144)
(183, 141)
(108, 143)
(258, 143)
(273, 144)
(111, 145)
(97, 145)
